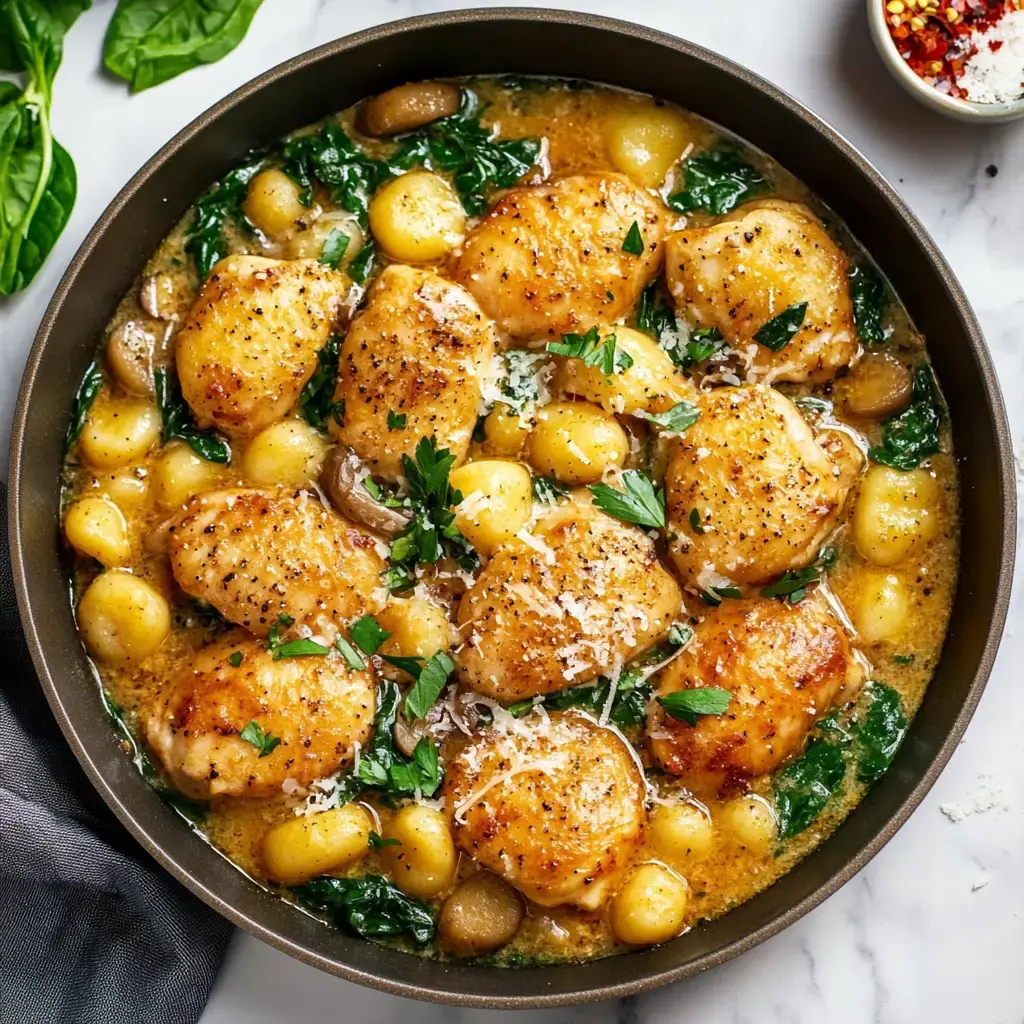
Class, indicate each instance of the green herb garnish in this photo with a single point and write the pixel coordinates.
(420, 775)
(593, 351)
(396, 420)
(640, 503)
(904, 659)
(352, 658)
(362, 263)
(689, 705)
(716, 181)
(879, 732)
(235, 659)
(701, 346)
(778, 332)
(178, 423)
(430, 681)
(548, 490)
(264, 742)
(680, 417)
(520, 388)
(633, 243)
(695, 524)
(803, 788)
(652, 317)
(913, 435)
(378, 842)
(793, 584)
(333, 251)
(316, 402)
(867, 295)
(714, 595)
(367, 634)
(84, 397)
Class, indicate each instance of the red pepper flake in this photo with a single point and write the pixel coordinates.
(934, 36)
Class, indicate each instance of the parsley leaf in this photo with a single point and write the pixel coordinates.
(714, 595)
(333, 251)
(265, 742)
(793, 584)
(778, 332)
(521, 387)
(316, 402)
(913, 435)
(367, 634)
(680, 417)
(353, 659)
(549, 490)
(679, 634)
(235, 659)
(178, 424)
(867, 295)
(362, 263)
(396, 420)
(716, 181)
(695, 524)
(639, 503)
(652, 317)
(84, 397)
(300, 648)
(633, 243)
(702, 345)
(420, 775)
(687, 705)
(378, 842)
(903, 659)
(430, 681)
(593, 351)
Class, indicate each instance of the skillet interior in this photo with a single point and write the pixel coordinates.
(525, 42)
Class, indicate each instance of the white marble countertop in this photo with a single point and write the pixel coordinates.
(931, 929)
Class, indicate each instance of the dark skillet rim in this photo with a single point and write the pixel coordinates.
(995, 411)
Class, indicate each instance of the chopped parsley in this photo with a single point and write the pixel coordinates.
(396, 420)
(653, 317)
(333, 251)
(903, 659)
(702, 345)
(714, 595)
(687, 705)
(640, 503)
(430, 681)
(265, 742)
(353, 659)
(300, 648)
(548, 490)
(593, 351)
(520, 387)
(680, 417)
(695, 523)
(316, 401)
(633, 243)
(367, 634)
(778, 332)
(235, 659)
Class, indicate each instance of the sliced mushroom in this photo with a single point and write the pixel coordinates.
(878, 386)
(130, 351)
(408, 106)
(342, 479)
(158, 297)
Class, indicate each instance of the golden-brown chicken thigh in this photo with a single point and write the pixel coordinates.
(251, 339)
(766, 494)
(785, 665)
(258, 554)
(316, 707)
(740, 273)
(581, 593)
(419, 349)
(548, 259)
(552, 803)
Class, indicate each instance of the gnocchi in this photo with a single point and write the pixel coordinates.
(896, 514)
(496, 504)
(423, 860)
(576, 442)
(304, 847)
(417, 218)
(97, 528)
(123, 619)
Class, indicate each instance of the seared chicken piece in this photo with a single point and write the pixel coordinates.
(315, 706)
(785, 665)
(552, 803)
(740, 273)
(766, 494)
(251, 339)
(418, 349)
(582, 593)
(548, 259)
(258, 554)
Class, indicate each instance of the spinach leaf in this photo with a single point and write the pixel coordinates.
(362, 263)
(913, 435)
(803, 788)
(688, 705)
(333, 251)
(700, 347)
(716, 181)
(778, 332)
(151, 41)
(178, 424)
(548, 490)
(316, 402)
(84, 397)
(633, 243)
(420, 775)
(221, 205)
(793, 584)
(878, 731)
(653, 317)
(370, 906)
(330, 157)
(37, 176)
(867, 295)
(639, 503)
(466, 149)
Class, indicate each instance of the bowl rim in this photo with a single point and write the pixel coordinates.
(651, 978)
(951, 106)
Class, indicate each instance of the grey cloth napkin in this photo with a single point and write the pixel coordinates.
(92, 931)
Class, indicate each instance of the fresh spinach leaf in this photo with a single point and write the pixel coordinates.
(867, 295)
(84, 397)
(688, 705)
(680, 417)
(778, 332)
(370, 906)
(316, 402)
(221, 205)
(803, 788)
(333, 252)
(152, 41)
(593, 351)
(640, 503)
(362, 263)
(265, 742)
(878, 731)
(178, 424)
(477, 160)
(548, 490)
(633, 243)
(430, 681)
(913, 435)
(716, 181)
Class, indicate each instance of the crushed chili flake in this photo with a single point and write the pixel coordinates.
(938, 37)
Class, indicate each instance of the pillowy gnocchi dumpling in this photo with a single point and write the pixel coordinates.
(419, 349)
(552, 803)
(548, 259)
(251, 339)
(257, 554)
(316, 708)
(740, 273)
(557, 606)
(762, 491)
(785, 666)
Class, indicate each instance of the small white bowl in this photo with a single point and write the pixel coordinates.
(951, 106)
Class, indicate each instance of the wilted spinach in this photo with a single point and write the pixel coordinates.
(221, 205)
(803, 788)
(716, 181)
(778, 332)
(879, 731)
(652, 316)
(370, 905)
(867, 296)
(84, 397)
(178, 424)
(913, 435)
(151, 41)
(316, 402)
